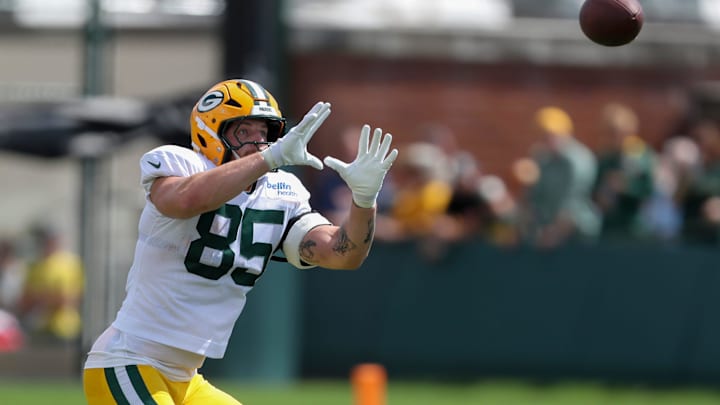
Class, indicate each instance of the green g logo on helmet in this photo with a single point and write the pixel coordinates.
(210, 101)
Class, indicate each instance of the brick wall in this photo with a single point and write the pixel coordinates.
(488, 106)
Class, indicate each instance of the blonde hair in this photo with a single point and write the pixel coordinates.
(425, 157)
(621, 119)
(554, 120)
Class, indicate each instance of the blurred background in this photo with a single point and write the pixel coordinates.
(554, 213)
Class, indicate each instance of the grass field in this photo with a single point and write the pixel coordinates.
(399, 393)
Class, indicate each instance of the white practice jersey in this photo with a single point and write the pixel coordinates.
(189, 279)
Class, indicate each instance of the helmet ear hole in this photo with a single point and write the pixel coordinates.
(202, 141)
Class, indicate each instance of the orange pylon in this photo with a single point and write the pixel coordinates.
(369, 383)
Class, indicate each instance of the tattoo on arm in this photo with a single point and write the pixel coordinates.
(306, 252)
(370, 232)
(344, 244)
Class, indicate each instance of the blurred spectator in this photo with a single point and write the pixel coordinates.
(11, 336)
(480, 207)
(502, 225)
(13, 271)
(457, 160)
(682, 154)
(421, 194)
(50, 305)
(701, 194)
(660, 215)
(558, 206)
(12, 279)
(625, 179)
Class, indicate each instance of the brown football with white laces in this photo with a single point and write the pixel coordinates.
(611, 22)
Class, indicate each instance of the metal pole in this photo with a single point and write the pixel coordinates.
(94, 180)
(95, 39)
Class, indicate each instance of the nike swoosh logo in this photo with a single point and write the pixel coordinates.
(155, 165)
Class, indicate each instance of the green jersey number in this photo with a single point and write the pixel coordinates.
(248, 248)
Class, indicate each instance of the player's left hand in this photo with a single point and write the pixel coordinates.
(366, 173)
(291, 149)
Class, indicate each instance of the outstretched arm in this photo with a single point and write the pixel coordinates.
(186, 197)
(346, 246)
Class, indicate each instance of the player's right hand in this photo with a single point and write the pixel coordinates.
(366, 173)
(291, 149)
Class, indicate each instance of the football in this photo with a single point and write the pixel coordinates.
(611, 22)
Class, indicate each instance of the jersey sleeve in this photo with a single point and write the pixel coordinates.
(168, 161)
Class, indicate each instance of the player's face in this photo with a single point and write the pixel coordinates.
(244, 133)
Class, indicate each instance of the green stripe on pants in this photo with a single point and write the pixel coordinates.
(139, 385)
(115, 389)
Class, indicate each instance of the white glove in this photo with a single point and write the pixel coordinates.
(365, 174)
(291, 149)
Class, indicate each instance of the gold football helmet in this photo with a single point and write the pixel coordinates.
(227, 101)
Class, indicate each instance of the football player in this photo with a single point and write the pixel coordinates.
(213, 218)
